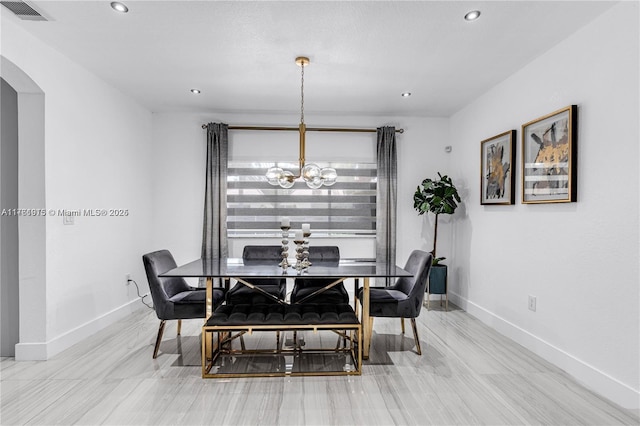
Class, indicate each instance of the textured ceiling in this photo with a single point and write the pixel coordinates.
(364, 54)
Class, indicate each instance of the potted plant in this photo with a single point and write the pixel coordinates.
(438, 196)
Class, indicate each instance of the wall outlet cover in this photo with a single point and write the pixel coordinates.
(532, 303)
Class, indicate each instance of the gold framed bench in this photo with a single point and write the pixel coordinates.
(231, 322)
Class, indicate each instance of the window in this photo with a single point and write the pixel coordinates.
(255, 208)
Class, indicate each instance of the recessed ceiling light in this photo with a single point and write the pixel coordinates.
(406, 94)
(472, 16)
(195, 91)
(119, 7)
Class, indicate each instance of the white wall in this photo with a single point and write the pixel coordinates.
(581, 259)
(179, 159)
(97, 156)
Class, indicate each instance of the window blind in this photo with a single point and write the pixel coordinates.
(255, 208)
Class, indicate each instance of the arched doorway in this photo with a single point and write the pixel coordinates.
(31, 253)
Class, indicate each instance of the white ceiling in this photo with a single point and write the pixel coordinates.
(364, 54)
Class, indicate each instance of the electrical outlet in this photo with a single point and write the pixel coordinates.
(128, 278)
(532, 303)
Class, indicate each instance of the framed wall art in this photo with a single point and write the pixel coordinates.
(497, 174)
(549, 157)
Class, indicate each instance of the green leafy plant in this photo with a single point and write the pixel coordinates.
(438, 196)
(437, 260)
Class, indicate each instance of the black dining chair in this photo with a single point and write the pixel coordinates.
(173, 298)
(404, 298)
(259, 255)
(305, 287)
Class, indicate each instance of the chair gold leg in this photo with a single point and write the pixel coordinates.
(415, 335)
(158, 339)
(427, 300)
(179, 326)
(402, 324)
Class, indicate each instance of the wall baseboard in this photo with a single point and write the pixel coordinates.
(588, 375)
(41, 351)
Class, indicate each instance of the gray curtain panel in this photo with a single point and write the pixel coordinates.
(214, 227)
(386, 198)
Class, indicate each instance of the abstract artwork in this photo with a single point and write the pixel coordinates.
(549, 158)
(497, 160)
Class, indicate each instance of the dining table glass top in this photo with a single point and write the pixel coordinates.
(236, 267)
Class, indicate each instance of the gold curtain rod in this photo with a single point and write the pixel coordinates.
(309, 129)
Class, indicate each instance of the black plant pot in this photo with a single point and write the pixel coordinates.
(438, 283)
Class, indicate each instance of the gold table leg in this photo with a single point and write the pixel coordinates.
(207, 346)
(366, 334)
(209, 302)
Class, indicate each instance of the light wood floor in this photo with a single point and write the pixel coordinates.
(468, 374)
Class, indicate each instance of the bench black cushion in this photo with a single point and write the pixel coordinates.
(270, 314)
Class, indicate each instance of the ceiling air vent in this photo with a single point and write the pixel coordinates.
(23, 11)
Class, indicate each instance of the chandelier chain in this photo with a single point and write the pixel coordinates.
(302, 94)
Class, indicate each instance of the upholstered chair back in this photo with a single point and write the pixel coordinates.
(419, 264)
(163, 289)
(324, 254)
(261, 254)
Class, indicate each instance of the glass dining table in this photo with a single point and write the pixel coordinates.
(222, 270)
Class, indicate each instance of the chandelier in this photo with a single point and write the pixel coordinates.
(311, 173)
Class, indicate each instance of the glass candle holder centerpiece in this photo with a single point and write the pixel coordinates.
(306, 233)
(285, 225)
(299, 241)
